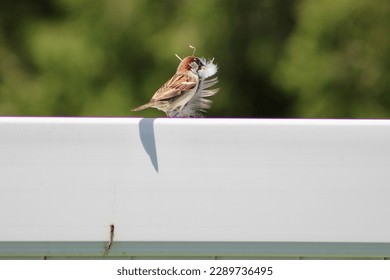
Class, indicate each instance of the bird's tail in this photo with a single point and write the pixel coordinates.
(142, 107)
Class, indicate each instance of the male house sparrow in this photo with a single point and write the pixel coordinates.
(184, 95)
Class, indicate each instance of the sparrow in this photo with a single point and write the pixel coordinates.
(186, 93)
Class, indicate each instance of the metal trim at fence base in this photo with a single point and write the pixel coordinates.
(194, 250)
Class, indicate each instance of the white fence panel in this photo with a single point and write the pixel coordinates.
(194, 180)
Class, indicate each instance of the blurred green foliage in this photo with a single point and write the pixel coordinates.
(277, 58)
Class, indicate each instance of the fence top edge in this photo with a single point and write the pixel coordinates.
(189, 121)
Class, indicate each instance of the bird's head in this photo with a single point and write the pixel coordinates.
(190, 63)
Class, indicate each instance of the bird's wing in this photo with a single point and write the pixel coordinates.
(174, 87)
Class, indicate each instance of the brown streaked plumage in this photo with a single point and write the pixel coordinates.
(179, 91)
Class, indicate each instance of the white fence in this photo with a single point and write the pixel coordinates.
(194, 187)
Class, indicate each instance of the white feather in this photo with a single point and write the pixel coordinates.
(198, 103)
(209, 70)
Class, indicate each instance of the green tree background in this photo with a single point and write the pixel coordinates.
(277, 58)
